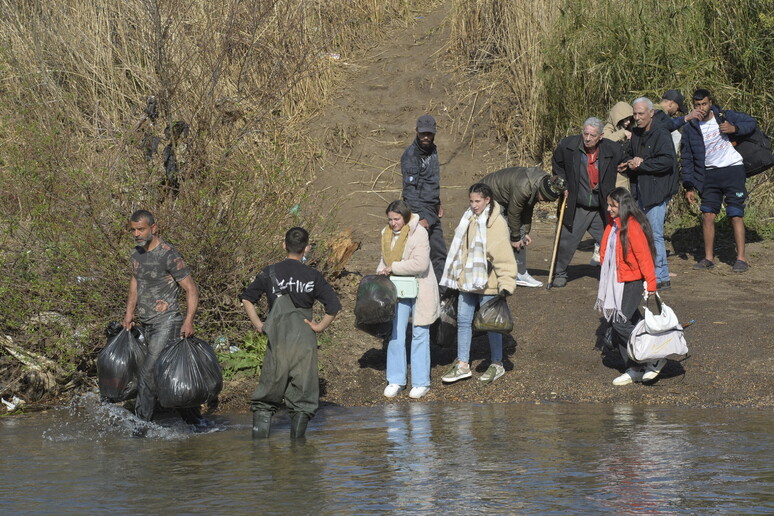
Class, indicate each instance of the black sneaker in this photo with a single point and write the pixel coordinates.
(664, 285)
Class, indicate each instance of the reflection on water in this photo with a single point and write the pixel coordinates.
(409, 457)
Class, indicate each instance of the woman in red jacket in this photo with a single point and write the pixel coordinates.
(626, 255)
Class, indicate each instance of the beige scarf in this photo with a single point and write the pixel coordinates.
(394, 253)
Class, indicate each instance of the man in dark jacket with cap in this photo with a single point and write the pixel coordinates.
(713, 167)
(651, 164)
(517, 190)
(588, 163)
(422, 187)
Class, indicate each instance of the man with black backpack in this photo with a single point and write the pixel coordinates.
(712, 166)
(289, 368)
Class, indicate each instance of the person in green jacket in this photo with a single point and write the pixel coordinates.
(517, 190)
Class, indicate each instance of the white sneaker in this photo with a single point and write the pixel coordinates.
(418, 392)
(456, 372)
(631, 375)
(393, 389)
(494, 372)
(525, 280)
(595, 257)
(653, 369)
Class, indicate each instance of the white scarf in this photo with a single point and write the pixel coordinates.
(475, 266)
(610, 294)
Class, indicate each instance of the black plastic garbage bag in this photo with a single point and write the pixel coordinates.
(494, 315)
(449, 301)
(376, 299)
(447, 322)
(118, 366)
(379, 330)
(113, 328)
(188, 374)
(607, 338)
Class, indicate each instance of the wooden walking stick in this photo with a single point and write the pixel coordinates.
(556, 241)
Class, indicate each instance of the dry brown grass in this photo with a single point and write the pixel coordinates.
(546, 66)
(503, 42)
(80, 149)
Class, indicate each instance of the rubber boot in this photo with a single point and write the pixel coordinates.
(298, 422)
(261, 424)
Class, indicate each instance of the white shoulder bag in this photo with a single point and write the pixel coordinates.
(407, 286)
(657, 335)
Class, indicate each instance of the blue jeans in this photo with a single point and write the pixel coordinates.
(397, 369)
(656, 215)
(466, 308)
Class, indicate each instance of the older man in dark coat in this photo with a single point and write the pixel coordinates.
(588, 163)
(651, 163)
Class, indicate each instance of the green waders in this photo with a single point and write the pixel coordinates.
(289, 370)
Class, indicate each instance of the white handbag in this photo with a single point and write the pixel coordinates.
(407, 286)
(647, 347)
(657, 335)
(664, 321)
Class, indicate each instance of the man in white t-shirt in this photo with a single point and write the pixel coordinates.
(715, 169)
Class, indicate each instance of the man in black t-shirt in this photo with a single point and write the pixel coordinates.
(290, 365)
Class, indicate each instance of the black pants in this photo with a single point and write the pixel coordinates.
(586, 219)
(630, 307)
(289, 369)
(437, 248)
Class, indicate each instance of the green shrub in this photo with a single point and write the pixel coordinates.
(248, 360)
(593, 53)
(549, 65)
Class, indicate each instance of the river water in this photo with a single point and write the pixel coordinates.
(423, 458)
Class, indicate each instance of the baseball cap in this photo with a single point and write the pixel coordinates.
(426, 124)
(677, 97)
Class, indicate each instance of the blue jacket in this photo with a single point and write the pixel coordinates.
(692, 145)
(661, 119)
